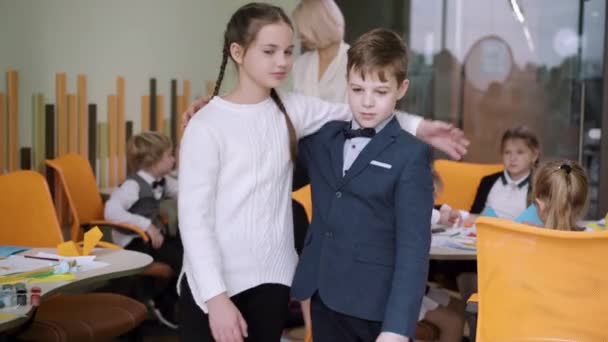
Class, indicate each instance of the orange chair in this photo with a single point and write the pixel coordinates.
(84, 199)
(460, 181)
(303, 196)
(538, 284)
(28, 218)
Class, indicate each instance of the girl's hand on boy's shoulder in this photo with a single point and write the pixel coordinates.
(443, 136)
(194, 107)
(391, 337)
(225, 320)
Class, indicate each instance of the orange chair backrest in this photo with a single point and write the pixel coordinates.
(303, 196)
(27, 214)
(79, 183)
(460, 181)
(539, 284)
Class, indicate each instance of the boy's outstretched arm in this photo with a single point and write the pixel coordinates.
(413, 206)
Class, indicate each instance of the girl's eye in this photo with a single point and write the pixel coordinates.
(269, 52)
(356, 90)
(289, 53)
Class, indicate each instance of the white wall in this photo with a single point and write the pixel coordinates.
(137, 39)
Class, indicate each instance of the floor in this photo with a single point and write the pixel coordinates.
(154, 332)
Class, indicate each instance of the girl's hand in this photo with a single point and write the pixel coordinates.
(391, 337)
(194, 107)
(225, 320)
(448, 216)
(443, 136)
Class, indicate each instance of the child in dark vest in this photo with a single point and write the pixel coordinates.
(137, 202)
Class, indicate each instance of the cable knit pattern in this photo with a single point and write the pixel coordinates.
(235, 179)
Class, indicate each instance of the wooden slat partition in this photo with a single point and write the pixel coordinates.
(185, 104)
(160, 113)
(49, 151)
(120, 122)
(38, 132)
(92, 142)
(3, 167)
(61, 113)
(145, 113)
(153, 104)
(72, 123)
(173, 104)
(26, 158)
(83, 127)
(102, 153)
(13, 120)
(112, 141)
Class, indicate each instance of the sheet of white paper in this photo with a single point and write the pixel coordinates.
(17, 263)
(79, 259)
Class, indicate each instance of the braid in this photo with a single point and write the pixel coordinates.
(220, 77)
(290, 128)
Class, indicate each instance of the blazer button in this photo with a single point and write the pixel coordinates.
(329, 234)
(338, 194)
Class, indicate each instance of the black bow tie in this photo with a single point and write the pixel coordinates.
(160, 182)
(358, 133)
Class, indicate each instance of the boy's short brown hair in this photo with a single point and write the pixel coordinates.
(376, 51)
(146, 149)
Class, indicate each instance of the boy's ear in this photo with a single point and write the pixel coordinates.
(402, 89)
(237, 52)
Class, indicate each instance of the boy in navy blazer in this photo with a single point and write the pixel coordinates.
(365, 258)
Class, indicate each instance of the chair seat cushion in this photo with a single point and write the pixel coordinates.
(85, 317)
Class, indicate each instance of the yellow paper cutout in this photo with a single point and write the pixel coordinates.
(70, 248)
(5, 316)
(91, 238)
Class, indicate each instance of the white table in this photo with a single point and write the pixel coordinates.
(121, 263)
(447, 253)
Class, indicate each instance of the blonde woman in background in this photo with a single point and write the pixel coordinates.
(321, 72)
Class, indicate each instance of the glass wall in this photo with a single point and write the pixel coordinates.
(488, 65)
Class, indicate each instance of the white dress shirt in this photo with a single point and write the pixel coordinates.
(508, 197)
(354, 146)
(122, 199)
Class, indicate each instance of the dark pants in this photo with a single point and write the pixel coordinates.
(329, 325)
(163, 291)
(264, 308)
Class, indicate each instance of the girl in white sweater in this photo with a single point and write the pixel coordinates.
(235, 181)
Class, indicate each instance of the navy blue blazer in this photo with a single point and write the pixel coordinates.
(367, 248)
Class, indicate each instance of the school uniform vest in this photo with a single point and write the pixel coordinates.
(147, 205)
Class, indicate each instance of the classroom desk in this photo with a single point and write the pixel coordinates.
(446, 253)
(121, 263)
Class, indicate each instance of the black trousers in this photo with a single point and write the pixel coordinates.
(330, 326)
(264, 308)
(171, 252)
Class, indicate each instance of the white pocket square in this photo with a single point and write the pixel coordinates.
(381, 164)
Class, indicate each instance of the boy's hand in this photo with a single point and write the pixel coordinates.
(194, 107)
(225, 320)
(391, 337)
(443, 136)
(156, 237)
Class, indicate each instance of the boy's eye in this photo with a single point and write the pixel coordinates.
(381, 92)
(268, 52)
(289, 52)
(356, 90)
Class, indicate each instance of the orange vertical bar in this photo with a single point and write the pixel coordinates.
(61, 113)
(145, 113)
(209, 87)
(185, 102)
(83, 125)
(112, 140)
(72, 124)
(160, 113)
(121, 128)
(2, 134)
(13, 120)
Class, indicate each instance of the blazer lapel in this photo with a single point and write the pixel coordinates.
(380, 142)
(336, 151)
